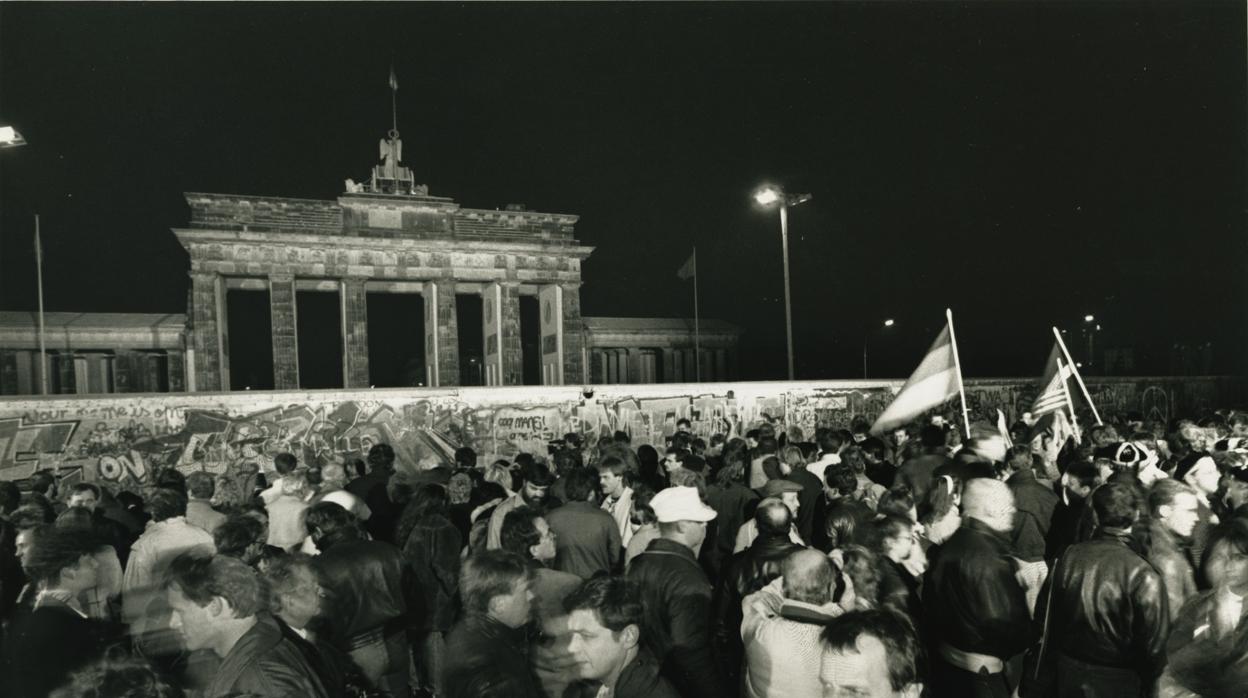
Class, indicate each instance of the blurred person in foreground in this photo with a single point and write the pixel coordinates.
(604, 619)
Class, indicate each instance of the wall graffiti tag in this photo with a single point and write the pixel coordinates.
(125, 439)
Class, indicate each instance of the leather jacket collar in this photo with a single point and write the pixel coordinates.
(999, 540)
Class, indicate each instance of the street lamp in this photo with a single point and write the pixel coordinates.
(887, 324)
(1090, 328)
(769, 196)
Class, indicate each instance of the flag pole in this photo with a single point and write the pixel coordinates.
(43, 349)
(1074, 422)
(1078, 378)
(697, 334)
(957, 364)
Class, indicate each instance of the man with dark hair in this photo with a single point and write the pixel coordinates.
(917, 473)
(373, 489)
(589, 540)
(1108, 613)
(829, 453)
(366, 605)
(767, 446)
(240, 536)
(1077, 483)
(200, 486)
(486, 649)
(605, 617)
(536, 481)
(874, 654)
(84, 495)
(975, 610)
(465, 457)
(43, 492)
(526, 533)
(283, 464)
(167, 536)
(747, 572)
(677, 595)
(220, 604)
(57, 637)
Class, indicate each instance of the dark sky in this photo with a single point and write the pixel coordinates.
(1024, 164)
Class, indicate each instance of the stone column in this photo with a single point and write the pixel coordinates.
(176, 366)
(669, 365)
(573, 327)
(509, 329)
(208, 322)
(66, 374)
(124, 379)
(441, 334)
(285, 332)
(354, 333)
(8, 372)
(597, 368)
(634, 365)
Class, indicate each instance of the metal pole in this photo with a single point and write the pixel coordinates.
(43, 349)
(788, 306)
(697, 335)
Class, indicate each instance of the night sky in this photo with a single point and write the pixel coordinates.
(1024, 164)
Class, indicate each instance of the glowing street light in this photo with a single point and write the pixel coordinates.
(769, 196)
(1089, 318)
(10, 138)
(888, 322)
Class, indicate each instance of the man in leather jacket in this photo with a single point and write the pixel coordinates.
(974, 608)
(1174, 515)
(676, 595)
(747, 572)
(1109, 615)
(366, 581)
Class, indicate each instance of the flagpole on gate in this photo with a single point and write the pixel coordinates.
(1070, 404)
(43, 349)
(1078, 378)
(957, 364)
(697, 334)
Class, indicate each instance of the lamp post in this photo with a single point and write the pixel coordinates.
(769, 196)
(10, 138)
(1089, 329)
(887, 324)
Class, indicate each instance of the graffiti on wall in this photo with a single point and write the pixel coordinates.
(126, 440)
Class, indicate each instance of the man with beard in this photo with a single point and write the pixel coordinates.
(537, 480)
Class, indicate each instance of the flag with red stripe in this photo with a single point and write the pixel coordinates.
(931, 385)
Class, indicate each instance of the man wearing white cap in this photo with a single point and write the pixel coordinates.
(676, 594)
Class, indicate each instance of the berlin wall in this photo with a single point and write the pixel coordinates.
(123, 439)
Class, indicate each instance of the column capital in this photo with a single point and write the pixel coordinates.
(281, 278)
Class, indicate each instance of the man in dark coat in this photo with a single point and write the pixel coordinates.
(1109, 616)
(1035, 503)
(605, 618)
(917, 473)
(975, 611)
(747, 572)
(368, 583)
(588, 538)
(219, 603)
(486, 650)
(676, 626)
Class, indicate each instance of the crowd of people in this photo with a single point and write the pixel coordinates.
(924, 562)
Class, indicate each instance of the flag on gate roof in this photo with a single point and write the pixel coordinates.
(932, 383)
(689, 268)
(1055, 386)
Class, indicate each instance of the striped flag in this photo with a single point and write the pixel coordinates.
(1056, 385)
(689, 268)
(932, 383)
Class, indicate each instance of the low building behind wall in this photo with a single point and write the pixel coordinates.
(124, 439)
(92, 353)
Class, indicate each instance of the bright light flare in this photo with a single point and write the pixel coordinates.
(10, 138)
(889, 322)
(1089, 318)
(767, 196)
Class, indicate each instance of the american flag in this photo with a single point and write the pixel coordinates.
(1056, 386)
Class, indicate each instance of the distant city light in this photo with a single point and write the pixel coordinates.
(1089, 318)
(889, 322)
